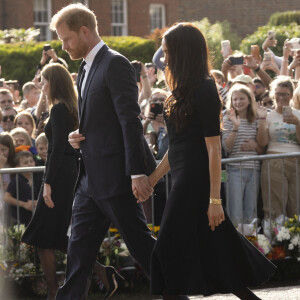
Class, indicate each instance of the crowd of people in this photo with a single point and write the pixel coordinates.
(260, 115)
(256, 120)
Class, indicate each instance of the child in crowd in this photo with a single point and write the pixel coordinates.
(41, 144)
(30, 94)
(21, 137)
(7, 156)
(20, 188)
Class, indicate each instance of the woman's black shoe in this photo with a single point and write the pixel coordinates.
(114, 279)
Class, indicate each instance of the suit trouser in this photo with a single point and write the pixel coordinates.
(90, 221)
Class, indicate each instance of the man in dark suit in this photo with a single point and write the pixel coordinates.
(114, 155)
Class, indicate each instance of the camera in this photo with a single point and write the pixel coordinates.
(47, 47)
(255, 52)
(150, 65)
(226, 49)
(156, 108)
(236, 60)
(138, 68)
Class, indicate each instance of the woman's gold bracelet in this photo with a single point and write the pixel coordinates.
(215, 201)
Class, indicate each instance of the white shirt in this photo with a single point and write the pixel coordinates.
(89, 61)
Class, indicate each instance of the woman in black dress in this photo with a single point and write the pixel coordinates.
(198, 250)
(48, 228)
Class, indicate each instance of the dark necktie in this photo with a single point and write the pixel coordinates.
(81, 74)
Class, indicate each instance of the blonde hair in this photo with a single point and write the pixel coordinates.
(22, 131)
(41, 139)
(242, 88)
(75, 16)
(281, 81)
(29, 116)
(27, 87)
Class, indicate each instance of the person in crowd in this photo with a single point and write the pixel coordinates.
(21, 203)
(244, 79)
(6, 99)
(219, 78)
(21, 137)
(25, 120)
(48, 57)
(193, 210)
(41, 144)
(31, 95)
(281, 135)
(155, 122)
(239, 139)
(158, 59)
(7, 156)
(259, 89)
(296, 98)
(105, 188)
(8, 117)
(266, 100)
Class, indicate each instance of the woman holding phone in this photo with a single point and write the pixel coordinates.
(198, 250)
(281, 135)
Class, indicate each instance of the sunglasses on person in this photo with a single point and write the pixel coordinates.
(158, 99)
(270, 102)
(11, 118)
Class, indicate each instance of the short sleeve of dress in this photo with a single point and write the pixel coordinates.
(208, 106)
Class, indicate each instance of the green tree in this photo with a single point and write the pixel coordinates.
(284, 18)
(215, 33)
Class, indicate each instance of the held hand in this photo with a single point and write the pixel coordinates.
(286, 49)
(295, 63)
(44, 58)
(75, 138)
(150, 116)
(141, 188)
(47, 195)
(160, 120)
(269, 43)
(250, 62)
(215, 215)
(249, 145)
(151, 75)
(51, 53)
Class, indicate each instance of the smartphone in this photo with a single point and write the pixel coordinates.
(156, 108)
(1, 82)
(151, 65)
(271, 35)
(286, 111)
(47, 47)
(236, 60)
(138, 69)
(255, 52)
(225, 46)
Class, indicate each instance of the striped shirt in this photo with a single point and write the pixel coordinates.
(246, 131)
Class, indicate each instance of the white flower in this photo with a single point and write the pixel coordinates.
(291, 246)
(283, 234)
(295, 240)
(264, 243)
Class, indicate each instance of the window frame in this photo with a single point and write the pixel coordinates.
(44, 23)
(124, 25)
(163, 16)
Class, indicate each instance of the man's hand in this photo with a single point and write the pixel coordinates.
(269, 43)
(29, 205)
(141, 188)
(51, 53)
(75, 138)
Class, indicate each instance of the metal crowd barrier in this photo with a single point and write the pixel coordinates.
(225, 163)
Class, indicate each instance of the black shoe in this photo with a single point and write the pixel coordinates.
(114, 279)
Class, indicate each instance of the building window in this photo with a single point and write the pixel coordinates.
(84, 2)
(42, 16)
(157, 16)
(119, 17)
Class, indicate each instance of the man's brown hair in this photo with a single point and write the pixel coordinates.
(75, 16)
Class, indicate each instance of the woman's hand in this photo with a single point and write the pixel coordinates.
(3, 160)
(236, 121)
(215, 215)
(291, 119)
(47, 195)
(261, 112)
(29, 205)
(249, 145)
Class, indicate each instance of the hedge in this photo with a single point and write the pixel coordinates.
(19, 60)
(258, 37)
(284, 18)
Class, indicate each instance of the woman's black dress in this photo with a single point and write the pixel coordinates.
(189, 258)
(48, 226)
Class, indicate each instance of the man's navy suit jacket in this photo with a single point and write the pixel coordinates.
(115, 147)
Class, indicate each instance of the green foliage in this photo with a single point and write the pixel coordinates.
(214, 34)
(19, 60)
(18, 35)
(284, 18)
(282, 33)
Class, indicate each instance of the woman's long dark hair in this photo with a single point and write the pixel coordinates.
(188, 64)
